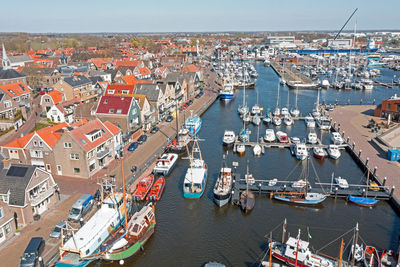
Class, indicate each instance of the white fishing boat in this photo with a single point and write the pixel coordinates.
(228, 138)
(312, 138)
(277, 121)
(336, 138)
(165, 164)
(301, 151)
(333, 151)
(223, 186)
(269, 135)
(282, 137)
(309, 121)
(341, 182)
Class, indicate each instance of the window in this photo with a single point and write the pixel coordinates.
(77, 170)
(40, 144)
(1, 213)
(74, 156)
(111, 110)
(7, 104)
(119, 111)
(13, 154)
(389, 106)
(95, 136)
(92, 167)
(36, 154)
(125, 92)
(8, 228)
(67, 145)
(34, 143)
(47, 100)
(111, 92)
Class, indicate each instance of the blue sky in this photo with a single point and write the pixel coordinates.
(189, 15)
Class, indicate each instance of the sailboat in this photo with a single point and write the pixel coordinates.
(316, 111)
(196, 175)
(364, 201)
(255, 110)
(301, 197)
(183, 138)
(247, 198)
(277, 111)
(243, 109)
(244, 134)
(131, 236)
(295, 112)
(257, 147)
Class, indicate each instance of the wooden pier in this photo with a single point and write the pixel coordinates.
(292, 76)
(388, 85)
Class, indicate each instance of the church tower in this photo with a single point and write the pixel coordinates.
(5, 60)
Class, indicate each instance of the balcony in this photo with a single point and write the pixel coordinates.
(35, 200)
(103, 153)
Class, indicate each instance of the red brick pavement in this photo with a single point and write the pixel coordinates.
(352, 120)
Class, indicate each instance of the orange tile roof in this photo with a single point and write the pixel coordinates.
(112, 128)
(191, 68)
(15, 89)
(49, 135)
(57, 96)
(127, 63)
(144, 71)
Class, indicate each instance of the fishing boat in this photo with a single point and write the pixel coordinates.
(193, 124)
(309, 121)
(277, 120)
(371, 257)
(282, 137)
(223, 186)
(312, 138)
(301, 151)
(388, 258)
(319, 152)
(302, 197)
(227, 92)
(157, 189)
(182, 140)
(269, 135)
(333, 151)
(341, 182)
(336, 138)
(143, 187)
(84, 245)
(165, 164)
(229, 138)
(129, 240)
(195, 180)
(247, 199)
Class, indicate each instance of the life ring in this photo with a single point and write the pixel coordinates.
(294, 253)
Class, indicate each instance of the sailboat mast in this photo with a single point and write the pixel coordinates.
(284, 231)
(355, 241)
(297, 249)
(341, 254)
(270, 249)
(124, 194)
(177, 119)
(277, 99)
(307, 174)
(366, 191)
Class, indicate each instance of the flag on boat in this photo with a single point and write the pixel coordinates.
(308, 232)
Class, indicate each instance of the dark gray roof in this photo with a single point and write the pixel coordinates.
(16, 179)
(112, 72)
(152, 91)
(174, 76)
(1, 161)
(96, 79)
(77, 80)
(9, 74)
(19, 58)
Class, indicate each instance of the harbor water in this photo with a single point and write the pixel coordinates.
(192, 232)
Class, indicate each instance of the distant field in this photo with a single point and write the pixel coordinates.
(39, 46)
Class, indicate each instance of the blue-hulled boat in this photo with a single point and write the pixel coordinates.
(363, 201)
(196, 175)
(227, 92)
(193, 124)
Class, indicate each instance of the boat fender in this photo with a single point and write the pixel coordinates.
(142, 248)
(121, 262)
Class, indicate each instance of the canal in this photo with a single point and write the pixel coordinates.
(193, 232)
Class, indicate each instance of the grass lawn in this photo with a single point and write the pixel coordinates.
(39, 126)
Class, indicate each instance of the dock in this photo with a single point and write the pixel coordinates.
(293, 77)
(388, 85)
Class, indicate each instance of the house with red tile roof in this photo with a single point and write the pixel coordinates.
(76, 150)
(142, 73)
(76, 87)
(15, 99)
(63, 112)
(50, 99)
(122, 111)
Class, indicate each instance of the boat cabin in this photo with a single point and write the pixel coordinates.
(291, 248)
(141, 221)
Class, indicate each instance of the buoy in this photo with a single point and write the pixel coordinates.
(121, 262)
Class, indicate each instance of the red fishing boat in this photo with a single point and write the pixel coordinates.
(157, 189)
(143, 187)
(371, 257)
(388, 258)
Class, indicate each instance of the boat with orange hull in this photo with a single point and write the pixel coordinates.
(143, 187)
(157, 189)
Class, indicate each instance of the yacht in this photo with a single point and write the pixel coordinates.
(229, 138)
(295, 140)
(284, 111)
(312, 138)
(277, 121)
(282, 137)
(295, 112)
(341, 182)
(240, 149)
(301, 151)
(269, 135)
(246, 117)
(287, 120)
(336, 138)
(319, 152)
(257, 150)
(165, 164)
(277, 112)
(333, 151)
(310, 122)
(256, 120)
(324, 122)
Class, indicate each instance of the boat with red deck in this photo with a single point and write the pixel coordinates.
(157, 189)
(143, 187)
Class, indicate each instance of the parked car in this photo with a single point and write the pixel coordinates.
(32, 252)
(142, 139)
(189, 103)
(81, 207)
(56, 233)
(154, 130)
(133, 146)
(197, 96)
(169, 118)
(201, 94)
(184, 106)
(133, 169)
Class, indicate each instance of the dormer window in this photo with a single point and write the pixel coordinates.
(106, 101)
(93, 135)
(111, 92)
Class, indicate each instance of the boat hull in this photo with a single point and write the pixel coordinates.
(226, 97)
(133, 249)
(165, 172)
(222, 200)
(363, 201)
(197, 194)
(301, 202)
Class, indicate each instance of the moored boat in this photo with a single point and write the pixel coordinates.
(312, 138)
(143, 187)
(319, 152)
(223, 186)
(363, 201)
(333, 151)
(179, 144)
(157, 189)
(229, 138)
(282, 137)
(389, 258)
(341, 182)
(193, 124)
(269, 135)
(165, 164)
(301, 151)
(371, 257)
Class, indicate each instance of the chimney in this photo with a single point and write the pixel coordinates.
(6, 163)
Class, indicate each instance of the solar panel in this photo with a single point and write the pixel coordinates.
(17, 171)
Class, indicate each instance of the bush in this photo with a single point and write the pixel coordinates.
(7, 131)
